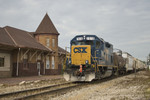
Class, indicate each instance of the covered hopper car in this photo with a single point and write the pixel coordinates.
(120, 62)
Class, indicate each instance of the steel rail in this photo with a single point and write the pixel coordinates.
(48, 92)
(31, 90)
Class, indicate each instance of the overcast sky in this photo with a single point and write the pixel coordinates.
(124, 23)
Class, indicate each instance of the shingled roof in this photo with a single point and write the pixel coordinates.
(5, 39)
(61, 50)
(19, 38)
(46, 26)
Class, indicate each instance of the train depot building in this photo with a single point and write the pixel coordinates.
(25, 53)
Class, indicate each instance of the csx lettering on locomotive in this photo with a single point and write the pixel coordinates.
(80, 50)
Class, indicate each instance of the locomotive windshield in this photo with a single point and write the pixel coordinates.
(82, 43)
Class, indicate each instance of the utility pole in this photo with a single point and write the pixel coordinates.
(148, 61)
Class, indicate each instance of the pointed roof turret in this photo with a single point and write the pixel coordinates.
(47, 26)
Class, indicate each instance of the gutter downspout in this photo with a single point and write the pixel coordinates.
(17, 71)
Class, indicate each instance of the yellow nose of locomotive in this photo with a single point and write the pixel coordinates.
(81, 54)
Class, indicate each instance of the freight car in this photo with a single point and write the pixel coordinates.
(132, 63)
(129, 61)
(120, 62)
(139, 65)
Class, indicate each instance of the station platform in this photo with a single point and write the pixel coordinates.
(17, 80)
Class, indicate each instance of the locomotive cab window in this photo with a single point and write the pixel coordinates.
(90, 38)
(85, 43)
(79, 38)
(89, 43)
(80, 43)
(107, 45)
(73, 43)
(97, 44)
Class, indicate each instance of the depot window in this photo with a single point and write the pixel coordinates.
(47, 42)
(2, 62)
(47, 62)
(25, 63)
(53, 62)
(53, 42)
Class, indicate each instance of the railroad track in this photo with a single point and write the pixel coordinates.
(32, 93)
(51, 90)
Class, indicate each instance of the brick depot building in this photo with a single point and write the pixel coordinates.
(25, 53)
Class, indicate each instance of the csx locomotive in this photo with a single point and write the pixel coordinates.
(91, 58)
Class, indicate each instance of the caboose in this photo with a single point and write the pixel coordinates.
(91, 58)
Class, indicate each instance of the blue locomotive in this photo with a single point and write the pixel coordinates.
(91, 58)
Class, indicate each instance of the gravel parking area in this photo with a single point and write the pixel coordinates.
(128, 87)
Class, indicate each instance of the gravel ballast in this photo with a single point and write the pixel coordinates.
(130, 87)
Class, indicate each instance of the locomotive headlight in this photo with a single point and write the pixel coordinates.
(86, 61)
